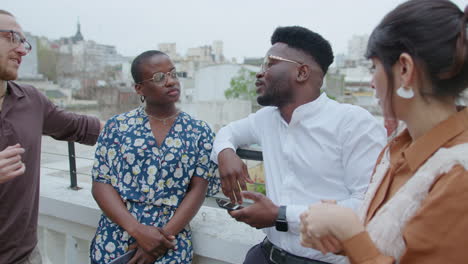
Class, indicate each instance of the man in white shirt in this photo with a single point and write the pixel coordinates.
(314, 148)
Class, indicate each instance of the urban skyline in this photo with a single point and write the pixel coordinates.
(244, 26)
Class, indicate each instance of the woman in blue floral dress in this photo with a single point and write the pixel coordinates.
(151, 173)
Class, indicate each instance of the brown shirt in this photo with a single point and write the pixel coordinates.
(438, 232)
(25, 116)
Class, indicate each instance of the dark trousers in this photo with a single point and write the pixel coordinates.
(260, 254)
(256, 255)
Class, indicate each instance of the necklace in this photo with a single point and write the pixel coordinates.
(163, 120)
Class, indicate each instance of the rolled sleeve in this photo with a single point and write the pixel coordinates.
(67, 126)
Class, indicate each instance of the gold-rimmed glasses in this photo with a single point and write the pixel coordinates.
(160, 78)
(267, 61)
(17, 39)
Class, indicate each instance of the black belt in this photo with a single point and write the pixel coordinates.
(280, 256)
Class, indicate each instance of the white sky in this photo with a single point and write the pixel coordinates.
(244, 26)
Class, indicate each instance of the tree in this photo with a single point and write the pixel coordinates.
(242, 86)
(47, 61)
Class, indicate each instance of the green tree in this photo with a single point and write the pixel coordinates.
(47, 61)
(242, 86)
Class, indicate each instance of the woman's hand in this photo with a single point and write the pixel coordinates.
(153, 240)
(325, 226)
(141, 257)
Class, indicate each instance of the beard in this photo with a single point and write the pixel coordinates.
(266, 100)
(277, 94)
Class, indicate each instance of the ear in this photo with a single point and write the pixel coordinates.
(138, 88)
(407, 71)
(303, 73)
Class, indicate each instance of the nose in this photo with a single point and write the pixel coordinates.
(170, 81)
(21, 50)
(372, 83)
(260, 74)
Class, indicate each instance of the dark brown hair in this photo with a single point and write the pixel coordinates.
(434, 33)
(3, 12)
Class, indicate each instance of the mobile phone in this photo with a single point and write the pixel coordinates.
(124, 259)
(226, 204)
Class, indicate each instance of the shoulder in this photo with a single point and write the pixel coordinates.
(25, 89)
(125, 117)
(453, 183)
(22, 87)
(351, 112)
(264, 116)
(351, 115)
(266, 111)
(121, 122)
(195, 125)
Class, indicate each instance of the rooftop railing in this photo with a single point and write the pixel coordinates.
(245, 154)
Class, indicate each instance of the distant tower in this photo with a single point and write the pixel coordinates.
(78, 36)
(218, 51)
(357, 47)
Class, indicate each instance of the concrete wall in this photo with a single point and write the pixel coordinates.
(212, 81)
(68, 220)
(218, 113)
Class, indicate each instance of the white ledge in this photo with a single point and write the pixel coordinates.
(217, 238)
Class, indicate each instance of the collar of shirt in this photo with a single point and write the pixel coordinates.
(428, 144)
(15, 89)
(308, 110)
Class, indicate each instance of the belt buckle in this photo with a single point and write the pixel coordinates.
(281, 252)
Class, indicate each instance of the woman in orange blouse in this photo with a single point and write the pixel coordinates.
(415, 210)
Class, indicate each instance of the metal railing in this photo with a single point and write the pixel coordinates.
(246, 154)
(72, 162)
(250, 154)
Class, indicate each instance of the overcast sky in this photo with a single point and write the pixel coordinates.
(245, 26)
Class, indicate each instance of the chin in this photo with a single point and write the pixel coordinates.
(9, 76)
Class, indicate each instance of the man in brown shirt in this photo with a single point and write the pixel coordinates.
(25, 115)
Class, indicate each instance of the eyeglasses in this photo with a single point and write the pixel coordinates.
(17, 39)
(267, 61)
(160, 78)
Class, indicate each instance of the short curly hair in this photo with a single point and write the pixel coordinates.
(307, 41)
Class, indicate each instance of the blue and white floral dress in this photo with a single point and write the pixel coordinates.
(152, 180)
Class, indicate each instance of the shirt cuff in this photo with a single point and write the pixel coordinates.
(217, 148)
(293, 213)
(361, 249)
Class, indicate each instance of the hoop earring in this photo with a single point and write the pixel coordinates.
(403, 93)
(142, 98)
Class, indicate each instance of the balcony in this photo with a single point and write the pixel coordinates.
(68, 217)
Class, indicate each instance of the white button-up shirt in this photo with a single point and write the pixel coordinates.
(326, 152)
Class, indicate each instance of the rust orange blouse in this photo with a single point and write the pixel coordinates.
(438, 232)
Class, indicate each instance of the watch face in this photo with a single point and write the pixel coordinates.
(281, 226)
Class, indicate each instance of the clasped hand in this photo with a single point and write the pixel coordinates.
(325, 226)
(152, 243)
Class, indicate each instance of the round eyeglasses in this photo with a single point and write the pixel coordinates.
(160, 78)
(17, 39)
